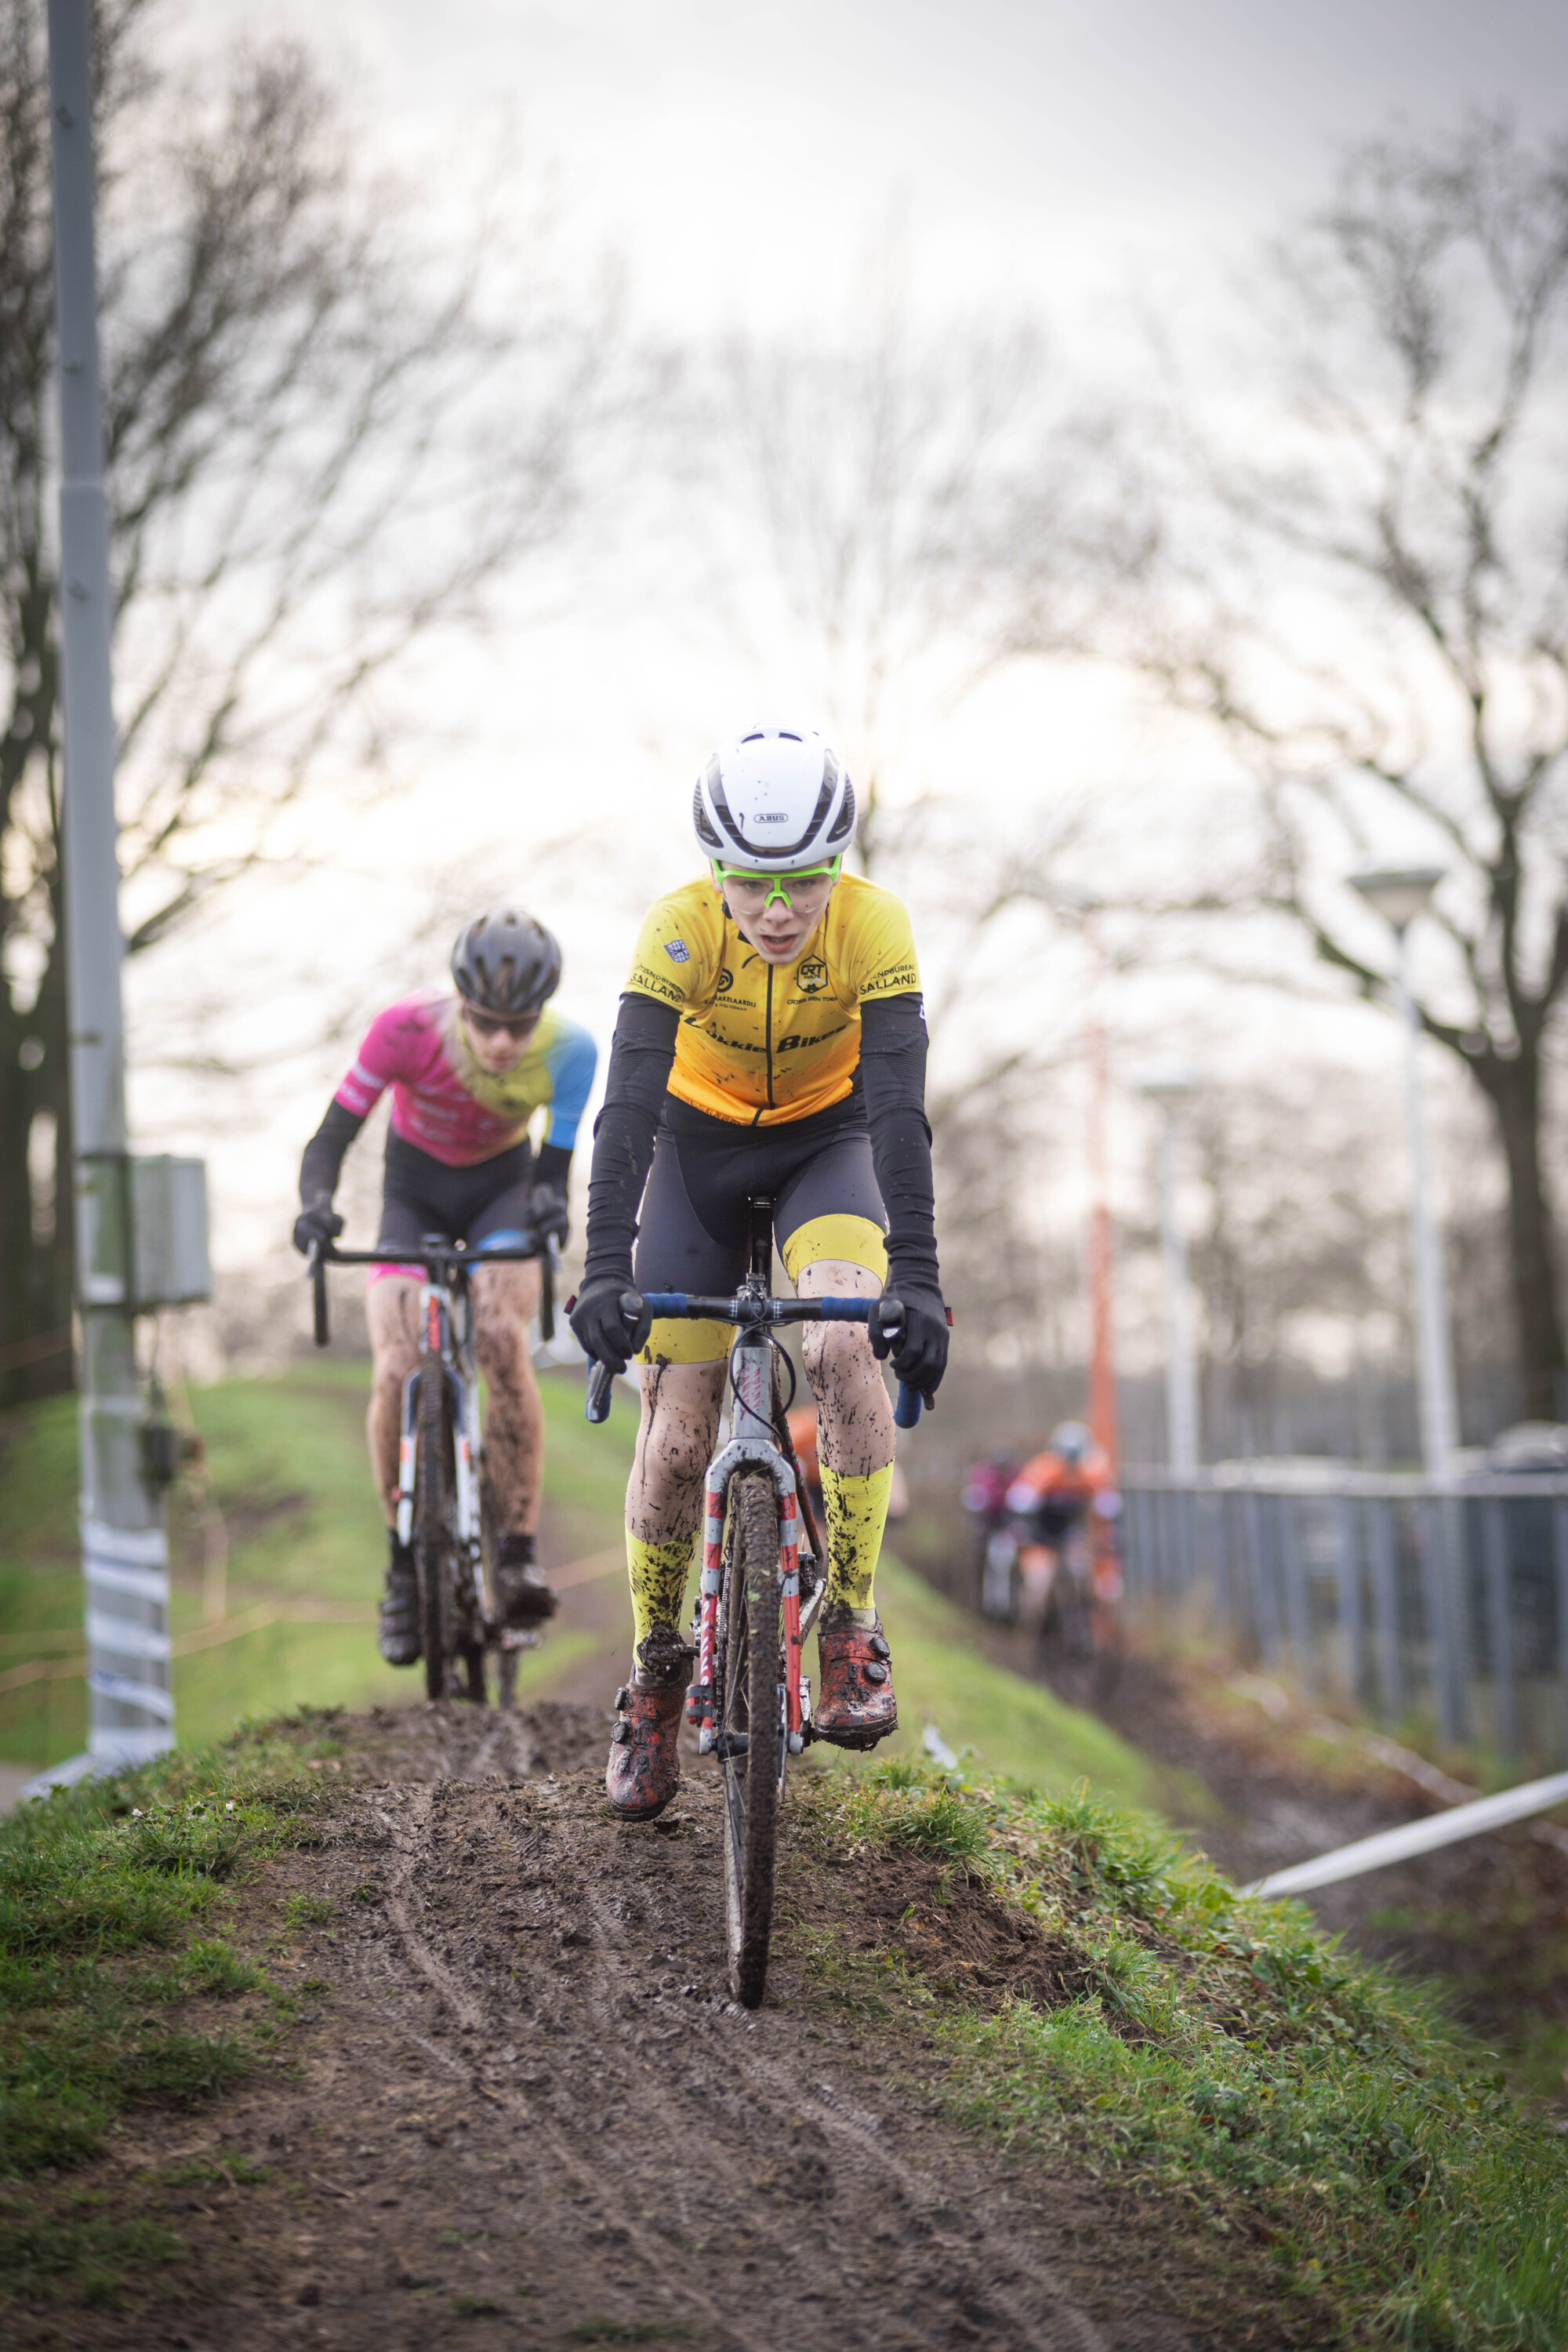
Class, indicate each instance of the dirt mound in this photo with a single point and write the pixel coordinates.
(519, 2106)
(454, 1741)
(965, 1943)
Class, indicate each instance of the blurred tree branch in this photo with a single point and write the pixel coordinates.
(1374, 613)
(328, 437)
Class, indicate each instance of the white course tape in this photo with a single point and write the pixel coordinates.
(1416, 1837)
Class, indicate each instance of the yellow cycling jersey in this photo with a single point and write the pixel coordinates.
(761, 1043)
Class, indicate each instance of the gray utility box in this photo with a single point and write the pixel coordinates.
(169, 1231)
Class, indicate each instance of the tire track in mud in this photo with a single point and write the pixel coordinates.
(528, 2112)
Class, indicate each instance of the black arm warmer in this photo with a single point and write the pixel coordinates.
(323, 1160)
(552, 1165)
(893, 1078)
(641, 1053)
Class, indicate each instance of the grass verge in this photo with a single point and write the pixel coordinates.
(118, 1986)
(1320, 2127)
(1016, 1729)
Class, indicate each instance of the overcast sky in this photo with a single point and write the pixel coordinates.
(742, 150)
(744, 158)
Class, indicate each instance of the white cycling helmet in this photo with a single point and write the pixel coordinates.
(775, 802)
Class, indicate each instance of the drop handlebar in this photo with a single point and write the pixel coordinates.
(749, 1311)
(438, 1258)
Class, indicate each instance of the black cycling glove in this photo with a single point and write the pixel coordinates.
(920, 1357)
(547, 1212)
(319, 1222)
(601, 1327)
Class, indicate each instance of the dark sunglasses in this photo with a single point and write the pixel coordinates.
(487, 1025)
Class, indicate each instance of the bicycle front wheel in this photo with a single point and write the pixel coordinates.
(753, 1726)
(433, 1530)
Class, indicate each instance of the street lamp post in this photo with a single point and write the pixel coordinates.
(125, 1551)
(1168, 1090)
(1399, 895)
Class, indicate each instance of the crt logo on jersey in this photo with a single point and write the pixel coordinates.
(811, 977)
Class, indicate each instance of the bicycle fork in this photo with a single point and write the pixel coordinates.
(465, 1415)
(405, 1455)
(796, 1694)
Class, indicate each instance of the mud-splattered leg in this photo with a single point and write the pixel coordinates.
(505, 1298)
(392, 1312)
(664, 1495)
(855, 1433)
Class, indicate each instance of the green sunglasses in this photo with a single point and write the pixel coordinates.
(726, 874)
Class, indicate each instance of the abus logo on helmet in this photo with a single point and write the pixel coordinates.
(772, 816)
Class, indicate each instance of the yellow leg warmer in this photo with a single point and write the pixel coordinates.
(857, 1512)
(658, 1573)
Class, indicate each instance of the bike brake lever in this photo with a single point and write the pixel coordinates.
(596, 1404)
(547, 1264)
(889, 1319)
(318, 1272)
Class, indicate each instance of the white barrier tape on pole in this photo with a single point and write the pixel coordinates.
(141, 1583)
(146, 1696)
(108, 1750)
(124, 1639)
(139, 1546)
(1416, 1837)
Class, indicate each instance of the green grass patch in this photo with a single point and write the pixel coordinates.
(307, 1911)
(109, 1964)
(285, 1457)
(1016, 1729)
(85, 2259)
(1319, 2118)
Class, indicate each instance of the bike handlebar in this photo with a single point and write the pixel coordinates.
(437, 1258)
(752, 1312)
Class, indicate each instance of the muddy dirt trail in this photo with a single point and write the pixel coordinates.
(524, 2111)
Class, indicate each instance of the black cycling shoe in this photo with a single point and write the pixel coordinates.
(400, 1608)
(525, 1598)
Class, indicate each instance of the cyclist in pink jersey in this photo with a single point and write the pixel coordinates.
(468, 1072)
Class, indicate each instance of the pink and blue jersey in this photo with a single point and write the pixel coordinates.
(445, 1103)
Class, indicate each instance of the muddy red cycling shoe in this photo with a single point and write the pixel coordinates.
(856, 1707)
(643, 1769)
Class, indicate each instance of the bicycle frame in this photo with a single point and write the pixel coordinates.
(446, 1323)
(446, 1319)
(751, 1443)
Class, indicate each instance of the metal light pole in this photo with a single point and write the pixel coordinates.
(1399, 895)
(125, 1552)
(1168, 1090)
(1102, 1414)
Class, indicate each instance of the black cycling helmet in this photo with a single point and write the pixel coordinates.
(506, 962)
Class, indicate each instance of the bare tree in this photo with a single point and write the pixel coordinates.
(326, 438)
(1374, 614)
(877, 488)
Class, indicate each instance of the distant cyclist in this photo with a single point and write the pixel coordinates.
(771, 1040)
(1067, 1486)
(467, 1072)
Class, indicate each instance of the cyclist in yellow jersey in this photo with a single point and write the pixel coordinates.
(771, 1040)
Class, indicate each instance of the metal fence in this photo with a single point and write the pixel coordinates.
(1392, 1593)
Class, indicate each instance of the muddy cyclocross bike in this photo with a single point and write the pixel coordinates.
(764, 1574)
(443, 1506)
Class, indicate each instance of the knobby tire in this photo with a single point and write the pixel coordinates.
(433, 1546)
(753, 1668)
